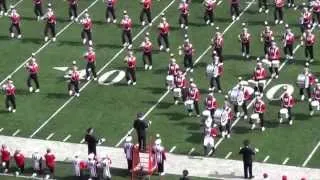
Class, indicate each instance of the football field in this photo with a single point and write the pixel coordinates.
(53, 115)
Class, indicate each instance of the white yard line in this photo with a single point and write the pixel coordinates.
(311, 154)
(66, 138)
(50, 136)
(285, 161)
(228, 155)
(105, 66)
(1, 129)
(46, 44)
(191, 151)
(82, 141)
(23, 177)
(266, 159)
(17, 3)
(172, 149)
(196, 61)
(16, 132)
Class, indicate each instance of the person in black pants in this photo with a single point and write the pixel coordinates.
(92, 141)
(185, 175)
(235, 9)
(247, 156)
(3, 5)
(38, 8)
(73, 9)
(141, 125)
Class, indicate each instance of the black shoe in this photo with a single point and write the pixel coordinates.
(251, 177)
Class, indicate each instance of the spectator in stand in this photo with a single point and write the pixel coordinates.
(19, 159)
(265, 176)
(185, 175)
(5, 158)
(50, 160)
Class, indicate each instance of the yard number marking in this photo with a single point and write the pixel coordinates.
(272, 92)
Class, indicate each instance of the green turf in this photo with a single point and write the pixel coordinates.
(111, 109)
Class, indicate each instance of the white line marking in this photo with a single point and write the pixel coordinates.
(46, 44)
(311, 154)
(196, 61)
(172, 149)
(266, 159)
(219, 3)
(285, 161)
(82, 141)
(66, 138)
(105, 66)
(1, 129)
(17, 3)
(16, 132)
(228, 155)
(191, 151)
(50, 136)
(25, 177)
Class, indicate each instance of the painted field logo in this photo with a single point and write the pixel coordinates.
(107, 78)
(276, 92)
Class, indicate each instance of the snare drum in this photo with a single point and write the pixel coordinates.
(170, 81)
(315, 105)
(177, 92)
(206, 113)
(301, 80)
(233, 96)
(210, 70)
(262, 83)
(217, 115)
(255, 118)
(284, 113)
(275, 63)
(252, 83)
(189, 104)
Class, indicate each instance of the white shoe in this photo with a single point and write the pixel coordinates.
(260, 10)
(150, 24)
(237, 18)
(309, 100)
(189, 114)
(198, 115)
(263, 129)
(134, 83)
(12, 35)
(281, 22)
(191, 70)
(38, 18)
(290, 122)
(289, 4)
(245, 117)
(130, 46)
(108, 20)
(146, 67)
(17, 173)
(253, 126)
(228, 136)
(168, 50)
(30, 89)
(129, 82)
(114, 21)
(13, 110)
(150, 67)
(277, 76)
(212, 24)
(71, 18)
(19, 36)
(233, 18)
(77, 94)
(311, 60)
(9, 108)
(90, 43)
(143, 23)
(125, 44)
(210, 89)
(161, 48)
(247, 56)
(266, 11)
(84, 41)
(181, 26)
(70, 93)
(54, 39)
(1, 13)
(88, 78)
(95, 79)
(276, 21)
(37, 90)
(176, 102)
(238, 114)
(186, 27)
(34, 174)
(311, 113)
(219, 91)
(243, 54)
(47, 176)
(5, 14)
(280, 120)
(208, 22)
(302, 98)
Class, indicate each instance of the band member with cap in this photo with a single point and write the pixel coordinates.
(227, 110)
(278, 11)
(128, 151)
(235, 9)
(245, 39)
(50, 160)
(266, 37)
(315, 100)
(184, 13)
(38, 8)
(309, 81)
(259, 107)
(263, 5)
(90, 57)
(287, 102)
(173, 67)
(259, 74)
(3, 8)
(131, 62)
(86, 33)
(141, 125)
(211, 103)
(208, 141)
(180, 82)
(15, 23)
(92, 166)
(92, 141)
(36, 163)
(76, 166)
(164, 29)
(160, 156)
(217, 43)
(146, 46)
(288, 40)
(105, 165)
(110, 10)
(146, 10)
(5, 157)
(20, 161)
(10, 91)
(51, 21)
(210, 7)
(316, 10)
(273, 56)
(73, 9)
(188, 52)
(33, 69)
(240, 100)
(126, 24)
(194, 94)
(215, 75)
(73, 85)
(308, 39)
(306, 19)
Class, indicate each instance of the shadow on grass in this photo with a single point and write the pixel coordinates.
(154, 90)
(22, 91)
(58, 95)
(173, 116)
(194, 138)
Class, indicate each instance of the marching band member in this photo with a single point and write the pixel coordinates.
(217, 43)
(288, 42)
(278, 11)
(90, 57)
(86, 33)
(308, 39)
(50, 160)
(146, 10)
(160, 156)
(259, 74)
(245, 39)
(181, 83)
(3, 8)
(92, 166)
(33, 69)
(287, 102)
(274, 58)
(306, 20)
(309, 81)
(15, 23)
(291, 3)
(217, 71)
(315, 100)
(316, 10)
(235, 9)
(228, 111)
(36, 163)
(73, 9)
(173, 67)
(146, 46)
(110, 10)
(128, 151)
(50, 24)
(266, 38)
(188, 52)
(208, 141)
(164, 29)
(259, 107)
(126, 24)
(184, 13)
(10, 91)
(194, 94)
(20, 161)
(211, 103)
(38, 9)
(74, 82)
(210, 6)
(76, 165)
(239, 101)
(5, 157)
(262, 4)
(106, 164)
(131, 61)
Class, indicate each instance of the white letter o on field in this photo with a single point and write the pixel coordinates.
(273, 91)
(103, 78)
